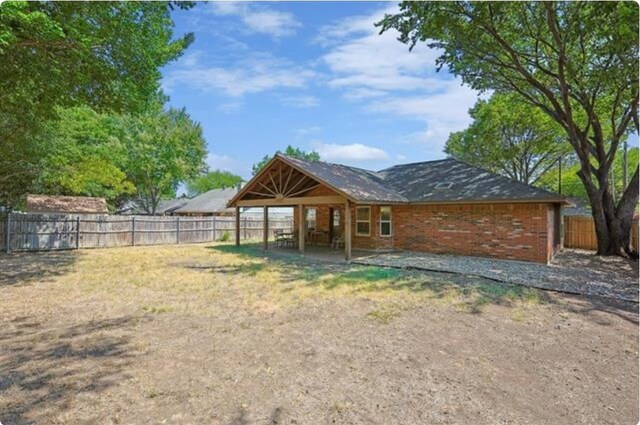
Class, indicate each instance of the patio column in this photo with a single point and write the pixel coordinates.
(301, 228)
(237, 226)
(265, 237)
(347, 231)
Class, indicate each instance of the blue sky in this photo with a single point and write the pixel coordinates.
(262, 75)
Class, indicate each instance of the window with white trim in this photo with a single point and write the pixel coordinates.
(363, 221)
(311, 219)
(386, 227)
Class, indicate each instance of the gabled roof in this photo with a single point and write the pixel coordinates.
(452, 180)
(443, 181)
(209, 202)
(66, 204)
(358, 184)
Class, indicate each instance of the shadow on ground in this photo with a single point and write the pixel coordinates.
(43, 370)
(27, 267)
(466, 292)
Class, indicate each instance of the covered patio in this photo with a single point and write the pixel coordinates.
(321, 213)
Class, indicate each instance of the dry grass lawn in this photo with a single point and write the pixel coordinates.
(223, 335)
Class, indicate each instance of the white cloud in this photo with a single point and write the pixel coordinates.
(401, 157)
(230, 107)
(384, 77)
(254, 74)
(301, 101)
(352, 152)
(442, 112)
(305, 131)
(227, 163)
(362, 58)
(258, 18)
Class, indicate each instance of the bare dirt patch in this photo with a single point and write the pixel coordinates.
(219, 335)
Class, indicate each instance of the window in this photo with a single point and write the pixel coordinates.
(336, 218)
(311, 219)
(386, 228)
(363, 221)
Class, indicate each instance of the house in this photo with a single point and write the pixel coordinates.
(213, 202)
(165, 207)
(445, 206)
(66, 204)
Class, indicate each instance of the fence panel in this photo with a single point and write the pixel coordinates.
(43, 232)
(580, 232)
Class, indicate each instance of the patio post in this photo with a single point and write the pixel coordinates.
(301, 226)
(265, 237)
(347, 231)
(237, 226)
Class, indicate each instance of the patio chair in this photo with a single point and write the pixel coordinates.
(337, 242)
(279, 237)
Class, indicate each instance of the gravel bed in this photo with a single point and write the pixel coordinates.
(573, 271)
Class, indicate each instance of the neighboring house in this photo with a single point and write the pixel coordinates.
(580, 207)
(213, 202)
(165, 207)
(445, 206)
(66, 204)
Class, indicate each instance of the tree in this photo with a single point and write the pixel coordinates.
(509, 137)
(106, 55)
(216, 179)
(289, 151)
(575, 61)
(164, 148)
(571, 184)
(82, 154)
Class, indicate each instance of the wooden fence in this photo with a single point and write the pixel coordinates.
(44, 232)
(580, 232)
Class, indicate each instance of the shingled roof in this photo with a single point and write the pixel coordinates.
(359, 184)
(447, 180)
(66, 204)
(209, 202)
(452, 180)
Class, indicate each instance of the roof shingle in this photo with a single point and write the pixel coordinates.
(448, 180)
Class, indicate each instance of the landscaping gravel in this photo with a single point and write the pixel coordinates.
(572, 271)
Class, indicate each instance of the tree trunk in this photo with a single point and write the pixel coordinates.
(613, 224)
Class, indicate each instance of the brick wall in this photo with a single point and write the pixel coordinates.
(508, 231)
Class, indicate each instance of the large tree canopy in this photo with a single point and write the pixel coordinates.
(106, 55)
(289, 151)
(509, 137)
(575, 61)
(82, 153)
(163, 148)
(216, 179)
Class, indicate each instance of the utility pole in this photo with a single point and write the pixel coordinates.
(625, 177)
(560, 174)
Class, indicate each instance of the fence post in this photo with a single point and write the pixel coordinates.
(213, 228)
(133, 230)
(78, 232)
(177, 230)
(7, 233)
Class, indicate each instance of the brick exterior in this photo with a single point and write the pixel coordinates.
(507, 231)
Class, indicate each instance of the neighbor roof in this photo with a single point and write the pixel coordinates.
(209, 202)
(170, 205)
(66, 204)
(441, 181)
